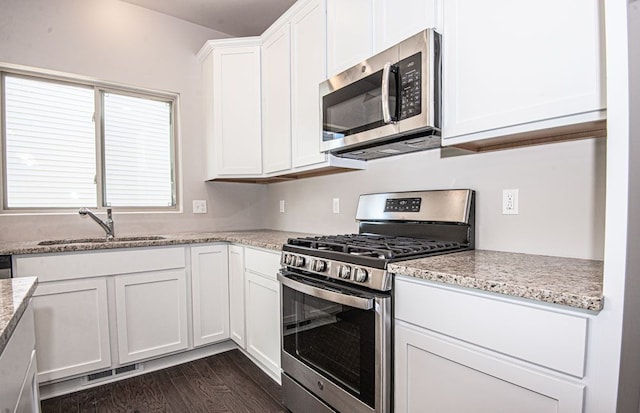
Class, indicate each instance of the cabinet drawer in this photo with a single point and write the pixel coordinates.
(65, 266)
(262, 262)
(548, 338)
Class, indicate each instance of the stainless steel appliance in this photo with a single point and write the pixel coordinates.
(337, 297)
(388, 104)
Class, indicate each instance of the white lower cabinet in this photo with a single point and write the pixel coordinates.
(209, 294)
(434, 373)
(458, 351)
(236, 295)
(255, 305)
(18, 373)
(72, 327)
(263, 320)
(151, 314)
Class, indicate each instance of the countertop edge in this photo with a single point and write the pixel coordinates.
(7, 332)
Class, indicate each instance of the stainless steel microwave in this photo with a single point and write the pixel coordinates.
(387, 105)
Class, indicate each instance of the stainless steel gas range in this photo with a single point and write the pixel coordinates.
(337, 305)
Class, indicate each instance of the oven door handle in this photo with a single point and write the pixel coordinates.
(333, 296)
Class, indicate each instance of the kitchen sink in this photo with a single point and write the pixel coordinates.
(102, 240)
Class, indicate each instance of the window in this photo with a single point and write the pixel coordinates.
(69, 145)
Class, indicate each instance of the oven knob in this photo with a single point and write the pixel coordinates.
(298, 261)
(319, 265)
(344, 271)
(287, 259)
(360, 275)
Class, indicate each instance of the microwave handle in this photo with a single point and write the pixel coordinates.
(333, 296)
(386, 111)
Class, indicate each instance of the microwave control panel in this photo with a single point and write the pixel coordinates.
(410, 76)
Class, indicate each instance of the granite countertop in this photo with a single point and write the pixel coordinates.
(566, 281)
(263, 238)
(14, 298)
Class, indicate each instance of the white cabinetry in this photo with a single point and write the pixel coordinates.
(144, 287)
(72, 327)
(505, 74)
(358, 29)
(232, 112)
(397, 20)
(18, 380)
(236, 294)
(501, 355)
(349, 33)
(151, 314)
(308, 69)
(276, 100)
(209, 293)
(255, 305)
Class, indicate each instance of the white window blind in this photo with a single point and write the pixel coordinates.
(50, 144)
(137, 151)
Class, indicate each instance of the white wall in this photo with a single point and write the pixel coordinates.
(561, 195)
(118, 42)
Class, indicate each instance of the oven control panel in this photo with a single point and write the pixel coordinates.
(373, 278)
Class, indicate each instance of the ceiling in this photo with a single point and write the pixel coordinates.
(237, 18)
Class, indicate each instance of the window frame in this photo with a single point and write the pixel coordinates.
(99, 89)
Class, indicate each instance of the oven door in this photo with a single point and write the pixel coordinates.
(337, 342)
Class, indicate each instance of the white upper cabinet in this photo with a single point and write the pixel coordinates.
(397, 20)
(232, 110)
(349, 33)
(308, 69)
(358, 29)
(276, 100)
(513, 67)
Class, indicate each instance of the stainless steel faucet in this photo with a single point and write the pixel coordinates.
(107, 224)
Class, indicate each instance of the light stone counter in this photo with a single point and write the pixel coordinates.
(14, 298)
(565, 281)
(268, 239)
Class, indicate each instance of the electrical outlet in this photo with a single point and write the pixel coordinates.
(336, 205)
(200, 206)
(510, 202)
(282, 205)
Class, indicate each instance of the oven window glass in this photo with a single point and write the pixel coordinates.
(336, 340)
(356, 107)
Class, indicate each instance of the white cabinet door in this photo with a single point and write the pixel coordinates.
(435, 373)
(236, 110)
(210, 293)
(504, 73)
(18, 368)
(349, 33)
(396, 20)
(236, 295)
(308, 69)
(263, 321)
(151, 314)
(29, 401)
(276, 101)
(72, 327)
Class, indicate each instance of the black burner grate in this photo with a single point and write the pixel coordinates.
(375, 246)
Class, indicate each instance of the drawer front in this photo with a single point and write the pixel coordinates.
(548, 338)
(262, 262)
(65, 266)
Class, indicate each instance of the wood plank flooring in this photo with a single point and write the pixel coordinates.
(226, 382)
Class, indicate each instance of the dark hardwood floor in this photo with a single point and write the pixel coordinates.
(226, 382)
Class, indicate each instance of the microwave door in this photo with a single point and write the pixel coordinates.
(363, 106)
